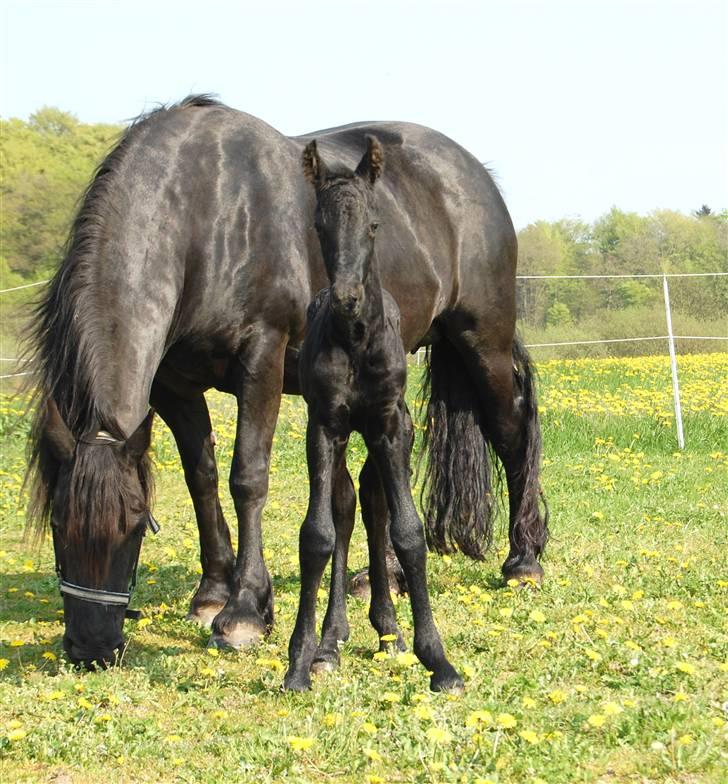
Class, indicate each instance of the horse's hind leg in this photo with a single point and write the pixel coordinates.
(504, 380)
(375, 515)
(336, 626)
(189, 421)
(248, 613)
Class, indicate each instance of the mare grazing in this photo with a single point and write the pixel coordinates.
(353, 371)
(190, 266)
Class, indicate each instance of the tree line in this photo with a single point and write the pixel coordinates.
(48, 160)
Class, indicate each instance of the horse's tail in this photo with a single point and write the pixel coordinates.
(531, 532)
(457, 496)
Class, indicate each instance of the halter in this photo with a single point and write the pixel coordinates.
(99, 595)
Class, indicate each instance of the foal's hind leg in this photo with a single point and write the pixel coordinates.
(189, 421)
(504, 383)
(390, 450)
(375, 515)
(336, 626)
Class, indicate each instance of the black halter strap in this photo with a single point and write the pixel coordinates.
(102, 596)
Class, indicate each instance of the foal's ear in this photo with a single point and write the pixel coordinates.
(56, 433)
(371, 165)
(314, 168)
(138, 442)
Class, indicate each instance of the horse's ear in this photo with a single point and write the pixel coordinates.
(371, 165)
(313, 167)
(138, 442)
(56, 433)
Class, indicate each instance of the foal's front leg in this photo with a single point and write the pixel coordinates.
(315, 545)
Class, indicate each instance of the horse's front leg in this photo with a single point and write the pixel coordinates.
(248, 613)
(335, 629)
(189, 421)
(391, 451)
(315, 545)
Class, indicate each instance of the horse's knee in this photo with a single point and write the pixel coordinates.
(203, 478)
(317, 539)
(408, 539)
(249, 483)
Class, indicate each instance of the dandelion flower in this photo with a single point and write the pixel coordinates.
(537, 616)
(373, 755)
(49, 656)
(439, 735)
(369, 728)
(685, 740)
(506, 721)
(4, 663)
(16, 735)
(557, 696)
(596, 720)
(686, 667)
(478, 717)
(300, 744)
(529, 736)
(406, 659)
(612, 709)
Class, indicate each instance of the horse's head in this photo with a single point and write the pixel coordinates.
(95, 490)
(346, 222)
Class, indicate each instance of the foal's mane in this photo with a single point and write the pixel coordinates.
(63, 351)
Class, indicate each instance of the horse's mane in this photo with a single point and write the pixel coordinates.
(60, 347)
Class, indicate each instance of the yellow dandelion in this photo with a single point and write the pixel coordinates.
(557, 696)
(611, 709)
(686, 667)
(592, 655)
(685, 740)
(528, 702)
(16, 735)
(17, 643)
(505, 612)
(84, 703)
(369, 728)
(49, 656)
(56, 695)
(506, 721)
(4, 663)
(439, 735)
(380, 656)
(142, 623)
(331, 719)
(391, 697)
(300, 744)
(536, 616)
(478, 717)
(407, 659)
(388, 638)
(423, 712)
(596, 720)
(529, 736)
(373, 755)
(370, 779)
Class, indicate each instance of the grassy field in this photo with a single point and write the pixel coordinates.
(616, 670)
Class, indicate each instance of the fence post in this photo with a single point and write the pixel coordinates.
(673, 365)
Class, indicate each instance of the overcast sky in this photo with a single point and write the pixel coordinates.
(577, 106)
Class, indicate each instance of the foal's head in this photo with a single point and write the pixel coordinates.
(346, 223)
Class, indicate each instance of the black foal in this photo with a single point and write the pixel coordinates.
(353, 371)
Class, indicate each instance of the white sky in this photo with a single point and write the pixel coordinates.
(577, 106)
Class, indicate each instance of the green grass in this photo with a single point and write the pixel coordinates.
(615, 670)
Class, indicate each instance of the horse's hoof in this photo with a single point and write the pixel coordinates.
(319, 666)
(205, 615)
(448, 681)
(238, 637)
(527, 573)
(296, 682)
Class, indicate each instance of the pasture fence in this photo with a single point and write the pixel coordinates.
(670, 337)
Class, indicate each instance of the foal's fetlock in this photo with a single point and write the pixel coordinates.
(327, 659)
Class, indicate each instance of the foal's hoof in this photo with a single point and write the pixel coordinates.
(448, 681)
(204, 615)
(235, 634)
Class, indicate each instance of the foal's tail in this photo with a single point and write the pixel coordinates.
(457, 495)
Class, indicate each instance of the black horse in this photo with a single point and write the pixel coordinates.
(190, 265)
(353, 372)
